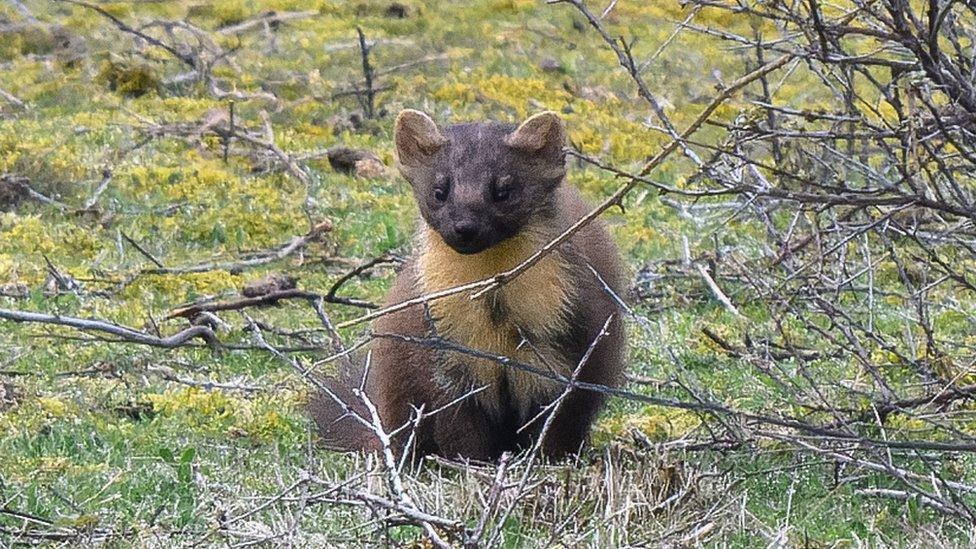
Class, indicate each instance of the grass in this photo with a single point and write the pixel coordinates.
(105, 441)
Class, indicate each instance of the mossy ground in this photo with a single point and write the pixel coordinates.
(94, 435)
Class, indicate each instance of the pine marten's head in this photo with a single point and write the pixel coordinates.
(478, 184)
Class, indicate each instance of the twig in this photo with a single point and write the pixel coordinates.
(272, 298)
(359, 270)
(127, 335)
(142, 250)
(491, 502)
(719, 294)
(404, 503)
(24, 184)
(550, 411)
(106, 179)
(265, 19)
(185, 58)
(12, 99)
(368, 98)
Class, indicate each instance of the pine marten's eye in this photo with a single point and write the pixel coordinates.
(440, 191)
(502, 189)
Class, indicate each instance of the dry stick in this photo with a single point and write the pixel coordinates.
(902, 495)
(294, 245)
(267, 18)
(169, 375)
(491, 502)
(12, 99)
(318, 305)
(24, 184)
(404, 504)
(411, 513)
(700, 405)
(269, 144)
(357, 92)
(719, 294)
(383, 259)
(487, 284)
(225, 140)
(271, 298)
(867, 464)
(424, 415)
(667, 41)
(128, 335)
(142, 250)
(188, 59)
(394, 481)
(305, 373)
(355, 89)
(662, 187)
(106, 179)
(552, 409)
(367, 99)
(626, 60)
(265, 257)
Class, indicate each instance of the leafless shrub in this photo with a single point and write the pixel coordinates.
(864, 208)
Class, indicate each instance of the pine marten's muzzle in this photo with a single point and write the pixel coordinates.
(467, 237)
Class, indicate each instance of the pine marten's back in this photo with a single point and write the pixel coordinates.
(490, 195)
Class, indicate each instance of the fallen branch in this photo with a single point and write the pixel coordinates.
(294, 245)
(127, 335)
(23, 184)
(188, 59)
(717, 292)
(272, 298)
(270, 18)
(12, 99)
(383, 259)
(902, 495)
(106, 179)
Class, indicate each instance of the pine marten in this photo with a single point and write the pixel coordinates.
(489, 194)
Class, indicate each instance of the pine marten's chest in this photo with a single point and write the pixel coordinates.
(522, 320)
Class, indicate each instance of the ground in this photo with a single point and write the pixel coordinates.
(147, 446)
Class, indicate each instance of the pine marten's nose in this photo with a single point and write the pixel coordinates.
(465, 230)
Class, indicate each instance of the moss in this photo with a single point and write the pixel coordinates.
(128, 78)
(36, 39)
(222, 13)
(656, 423)
(217, 411)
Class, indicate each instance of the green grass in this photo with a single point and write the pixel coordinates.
(99, 438)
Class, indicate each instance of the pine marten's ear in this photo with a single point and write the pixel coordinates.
(543, 132)
(417, 138)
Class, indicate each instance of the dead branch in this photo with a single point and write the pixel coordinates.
(125, 335)
(12, 99)
(272, 298)
(270, 18)
(404, 503)
(368, 97)
(189, 60)
(719, 294)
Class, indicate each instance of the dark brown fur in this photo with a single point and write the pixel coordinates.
(405, 376)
